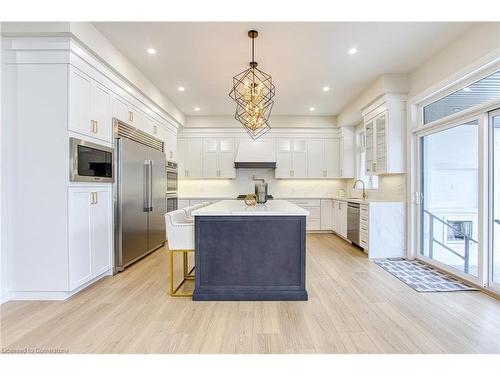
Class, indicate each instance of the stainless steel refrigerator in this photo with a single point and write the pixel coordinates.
(140, 187)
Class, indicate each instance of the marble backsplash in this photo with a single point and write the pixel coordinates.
(242, 184)
(391, 187)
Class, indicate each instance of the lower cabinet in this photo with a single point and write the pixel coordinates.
(90, 219)
(339, 217)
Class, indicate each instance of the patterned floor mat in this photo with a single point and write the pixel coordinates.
(422, 277)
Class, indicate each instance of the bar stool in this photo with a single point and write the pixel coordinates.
(180, 233)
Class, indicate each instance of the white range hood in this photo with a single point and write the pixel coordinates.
(255, 154)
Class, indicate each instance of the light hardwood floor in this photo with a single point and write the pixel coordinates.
(354, 307)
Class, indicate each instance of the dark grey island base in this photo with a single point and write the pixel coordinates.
(250, 258)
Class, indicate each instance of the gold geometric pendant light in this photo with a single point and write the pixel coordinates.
(253, 91)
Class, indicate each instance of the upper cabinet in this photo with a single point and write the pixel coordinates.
(385, 131)
(208, 157)
(315, 158)
(323, 158)
(190, 158)
(291, 158)
(89, 107)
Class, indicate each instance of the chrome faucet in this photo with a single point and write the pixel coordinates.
(364, 192)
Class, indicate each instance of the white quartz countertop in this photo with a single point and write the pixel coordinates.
(236, 207)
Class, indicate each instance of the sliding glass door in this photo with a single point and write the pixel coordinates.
(449, 167)
(494, 259)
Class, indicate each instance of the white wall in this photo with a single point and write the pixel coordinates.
(476, 43)
(243, 184)
(387, 83)
(87, 34)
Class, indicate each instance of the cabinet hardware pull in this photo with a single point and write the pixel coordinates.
(95, 195)
(96, 126)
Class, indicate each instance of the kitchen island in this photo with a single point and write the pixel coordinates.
(250, 253)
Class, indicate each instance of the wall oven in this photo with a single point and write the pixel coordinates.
(171, 186)
(90, 162)
(171, 202)
(171, 177)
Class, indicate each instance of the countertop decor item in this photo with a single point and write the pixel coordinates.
(253, 91)
(250, 199)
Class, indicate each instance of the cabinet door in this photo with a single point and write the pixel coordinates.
(315, 167)
(335, 216)
(326, 214)
(299, 158)
(79, 99)
(283, 158)
(369, 149)
(381, 145)
(194, 158)
(171, 145)
(332, 157)
(120, 110)
(210, 156)
(226, 158)
(100, 109)
(181, 158)
(343, 218)
(102, 227)
(79, 225)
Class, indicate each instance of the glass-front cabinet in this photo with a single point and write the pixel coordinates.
(375, 145)
(385, 135)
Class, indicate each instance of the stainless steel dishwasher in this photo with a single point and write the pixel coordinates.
(353, 222)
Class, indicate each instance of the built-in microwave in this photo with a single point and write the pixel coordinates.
(90, 162)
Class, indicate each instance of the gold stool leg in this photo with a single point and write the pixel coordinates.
(187, 275)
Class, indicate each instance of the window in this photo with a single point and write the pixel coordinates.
(371, 182)
(475, 94)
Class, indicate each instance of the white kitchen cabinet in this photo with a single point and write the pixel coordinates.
(170, 145)
(291, 158)
(326, 214)
(339, 217)
(323, 158)
(120, 109)
(313, 221)
(90, 225)
(218, 158)
(385, 124)
(89, 107)
(226, 158)
(190, 158)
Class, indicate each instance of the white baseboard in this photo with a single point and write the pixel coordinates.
(52, 296)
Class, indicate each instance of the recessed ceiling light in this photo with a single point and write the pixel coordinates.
(196, 109)
(326, 88)
(181, 88)
(312, 109)
(151, 51)
(467, 89)
(352, 51)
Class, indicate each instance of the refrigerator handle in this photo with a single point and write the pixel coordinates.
(146, 183)
(150, 191)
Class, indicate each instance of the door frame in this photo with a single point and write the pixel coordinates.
(491, 284)
(418, 136)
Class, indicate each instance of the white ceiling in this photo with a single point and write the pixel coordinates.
(301, 57)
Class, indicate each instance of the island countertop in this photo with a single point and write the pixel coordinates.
(237, 207)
